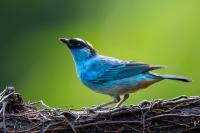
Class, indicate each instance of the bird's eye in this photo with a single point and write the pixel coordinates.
(74, 42)
(78, 44)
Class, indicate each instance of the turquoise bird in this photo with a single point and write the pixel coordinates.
(111, 76)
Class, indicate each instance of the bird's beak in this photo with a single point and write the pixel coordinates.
(65, 40)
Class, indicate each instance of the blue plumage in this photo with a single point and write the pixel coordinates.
(112, 76)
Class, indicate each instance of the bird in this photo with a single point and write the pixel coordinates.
(111, 76)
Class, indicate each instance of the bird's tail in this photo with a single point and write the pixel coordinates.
(173, 77)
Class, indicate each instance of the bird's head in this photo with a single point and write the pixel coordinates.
(79, 48)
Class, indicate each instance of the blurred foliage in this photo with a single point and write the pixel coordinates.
(155, 32)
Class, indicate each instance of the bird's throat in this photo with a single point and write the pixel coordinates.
(81, 55)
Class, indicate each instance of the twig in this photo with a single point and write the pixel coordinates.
(72, 126)
(133, 128)
(40, 102)
(5, 97)
(30, 129)
(4, 120)
(171, 115)
(52, 124)
(107, 122)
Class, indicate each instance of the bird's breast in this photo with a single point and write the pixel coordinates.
(85, 74)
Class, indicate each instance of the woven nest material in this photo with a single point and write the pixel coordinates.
(178, 115)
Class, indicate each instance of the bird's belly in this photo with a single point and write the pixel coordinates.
(123, 86)
(129, 85)
(142, 85)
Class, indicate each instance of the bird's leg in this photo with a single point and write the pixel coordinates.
(115, 100)
(126, 96)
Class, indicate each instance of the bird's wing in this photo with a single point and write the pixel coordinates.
(109, 70)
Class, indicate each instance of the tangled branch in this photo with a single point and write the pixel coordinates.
(178, 115)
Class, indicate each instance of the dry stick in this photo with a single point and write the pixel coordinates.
(177, 123)
(107, 122)
(181, 101)
(57, 129)
(6, 97)
(52, 124)
(71, 125)
(168, 115)
(188, 130)
(14, 128)
(27, 113)
(4, 103)
(4, 121)
(179, 97)
(2, 93)
(28, 130)
(177, 106)
(132, 128)
(41, 102)
(142, 119)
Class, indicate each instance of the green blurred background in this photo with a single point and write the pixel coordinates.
(41, 67)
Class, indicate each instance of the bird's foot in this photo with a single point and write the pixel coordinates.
(93, 109)
(97, 108)
(120, 107)
(89, 110)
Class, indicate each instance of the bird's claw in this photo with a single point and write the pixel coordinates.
(90, 110)
(96, 108)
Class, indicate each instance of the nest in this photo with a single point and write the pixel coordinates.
(178, 115)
